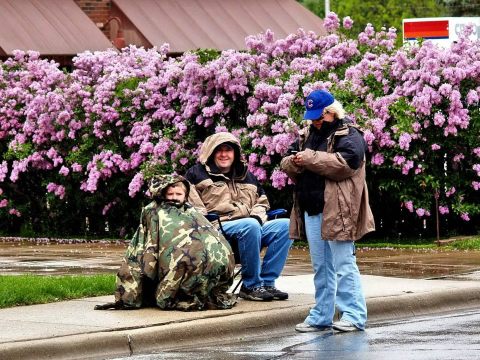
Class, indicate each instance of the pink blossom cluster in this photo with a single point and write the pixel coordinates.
(58, 190)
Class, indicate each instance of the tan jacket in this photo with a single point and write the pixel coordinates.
(346, 214)
(232, 198)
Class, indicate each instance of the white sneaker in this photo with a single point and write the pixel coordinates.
(344, 326)
(304, 327)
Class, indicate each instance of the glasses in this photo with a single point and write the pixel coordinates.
(321, 117)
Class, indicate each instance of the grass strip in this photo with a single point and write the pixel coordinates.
(16, 290)
(469, 244)
(395, 246)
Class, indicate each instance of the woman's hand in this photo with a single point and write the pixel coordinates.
(298, 159)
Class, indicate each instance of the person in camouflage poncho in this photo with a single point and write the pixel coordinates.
(176, 259)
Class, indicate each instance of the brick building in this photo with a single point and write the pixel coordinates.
(62, 28)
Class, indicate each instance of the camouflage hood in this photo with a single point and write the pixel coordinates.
(159, 183)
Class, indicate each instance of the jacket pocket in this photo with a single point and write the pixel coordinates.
(216, 192)
(247, 195)
(345, 194)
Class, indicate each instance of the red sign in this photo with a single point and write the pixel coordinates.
(425, 29)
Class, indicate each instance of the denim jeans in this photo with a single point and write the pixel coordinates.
(252, 237)
(336, 278)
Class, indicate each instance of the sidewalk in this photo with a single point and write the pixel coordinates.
(73, 330)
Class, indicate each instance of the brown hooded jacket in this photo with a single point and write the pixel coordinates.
(236, 196)
(346, 214)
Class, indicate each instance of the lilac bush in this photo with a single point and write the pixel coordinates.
(86, 142)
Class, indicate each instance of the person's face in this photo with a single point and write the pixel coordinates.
(175, 193)
(224, 157)
(327, 116)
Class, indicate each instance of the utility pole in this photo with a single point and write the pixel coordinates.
(327, 7)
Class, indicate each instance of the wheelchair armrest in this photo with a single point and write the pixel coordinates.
(212, 216)
(273, 214)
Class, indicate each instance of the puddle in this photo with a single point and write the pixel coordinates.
(95, 258)
(60, 259)
(418, 264)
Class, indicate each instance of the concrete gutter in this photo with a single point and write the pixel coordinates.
(73, 330)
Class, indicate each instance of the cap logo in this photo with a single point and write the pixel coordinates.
(309, 103)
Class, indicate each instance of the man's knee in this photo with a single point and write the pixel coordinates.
(279, 226)
(283, 223)
(252, 225)
(245, 228)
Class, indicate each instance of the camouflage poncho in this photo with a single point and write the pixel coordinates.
(176, 260)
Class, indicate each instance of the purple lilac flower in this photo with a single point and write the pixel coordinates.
(64, 171)
(15, 212)
(443, 210)
(476, 167)
(107, 207)
(465, 216)
(378, 159)
(331, 22)
(76, 167)
(438, 119)
(279, 179)
(409, 205)
(420, 212)
(3, 170)
(450, 191)
(404, 141)
(459, 157)
(398, 159)
(347, 22)
(135, 185)
(407, 166)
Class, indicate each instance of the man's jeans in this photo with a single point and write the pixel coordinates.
(336, 278)
(252, 237)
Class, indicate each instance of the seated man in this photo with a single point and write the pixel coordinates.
(176, 259)
(223, 184)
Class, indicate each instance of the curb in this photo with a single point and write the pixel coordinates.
(230, 327)
(413, 305)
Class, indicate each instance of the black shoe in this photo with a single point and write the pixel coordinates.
(255, 294)
(277, 294)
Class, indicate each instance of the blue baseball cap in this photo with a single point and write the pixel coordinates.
(315, 104)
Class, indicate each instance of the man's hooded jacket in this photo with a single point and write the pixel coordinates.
(233, 196)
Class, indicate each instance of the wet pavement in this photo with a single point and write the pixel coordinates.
(438, 337)
(59, 259)
(104, 257)
(419, 264)
(55, 331)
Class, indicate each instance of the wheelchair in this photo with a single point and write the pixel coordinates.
(213, 216)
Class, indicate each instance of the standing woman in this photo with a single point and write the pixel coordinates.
(331, 208)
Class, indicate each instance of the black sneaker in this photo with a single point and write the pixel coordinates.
(277, 294)
(255, 294)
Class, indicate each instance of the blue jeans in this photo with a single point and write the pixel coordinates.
(336, 278)
(252, 237)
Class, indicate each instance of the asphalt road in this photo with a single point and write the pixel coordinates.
(449, 336)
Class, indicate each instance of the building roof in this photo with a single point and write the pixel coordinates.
(219, 24)
(52, 27)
